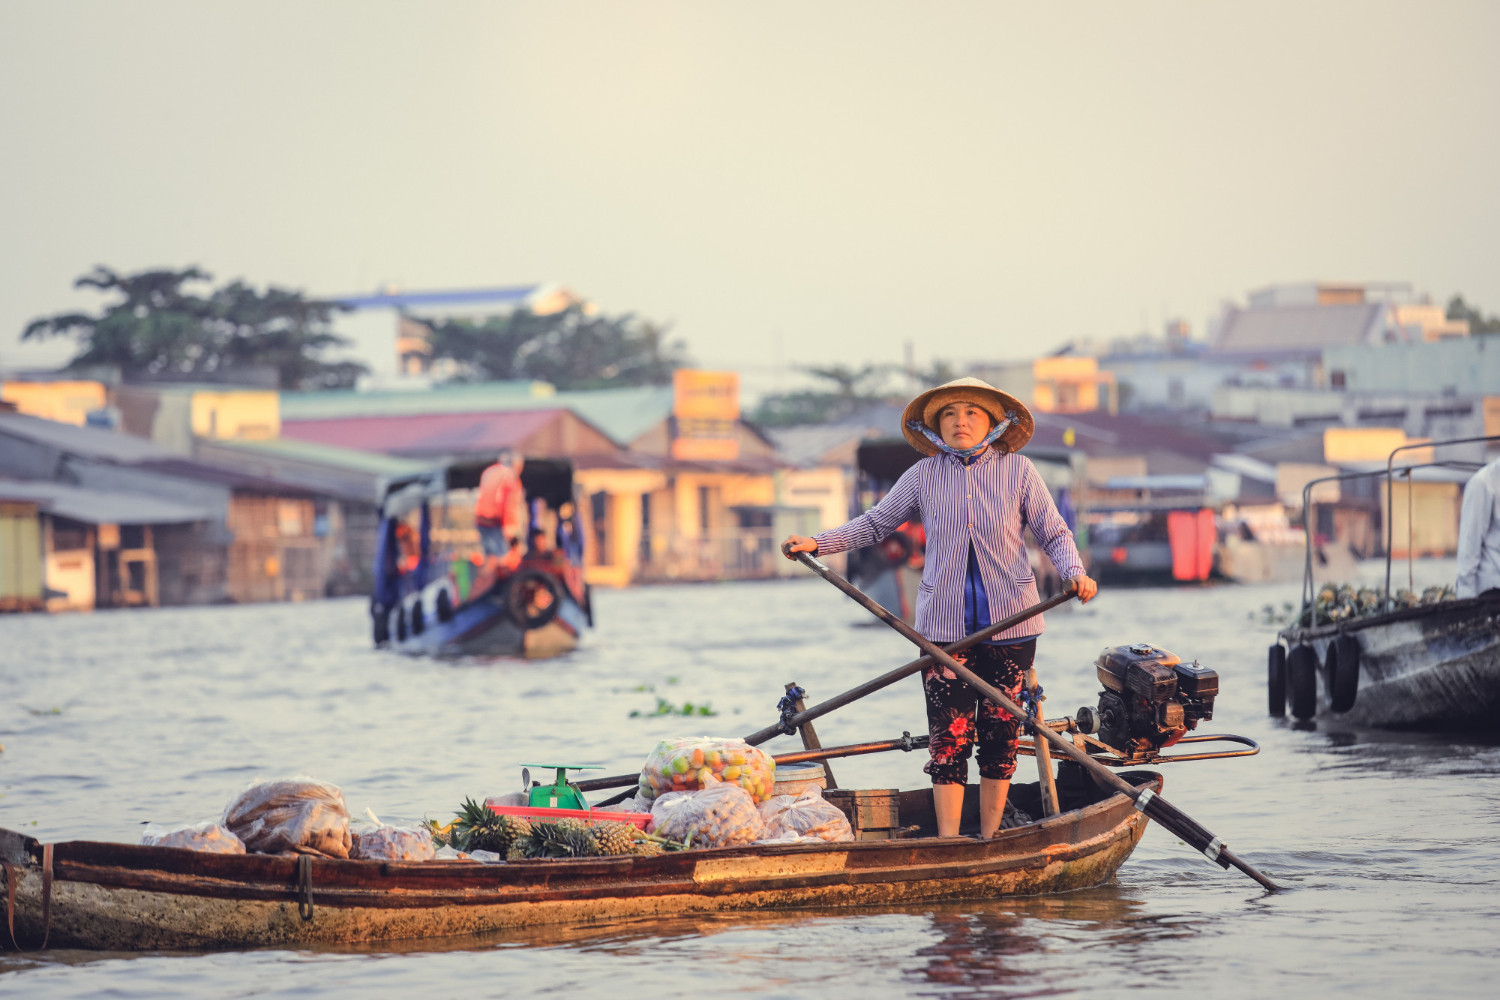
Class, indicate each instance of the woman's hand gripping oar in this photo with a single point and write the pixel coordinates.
(1146, 800)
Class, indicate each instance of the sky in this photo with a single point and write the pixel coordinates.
(785, 183)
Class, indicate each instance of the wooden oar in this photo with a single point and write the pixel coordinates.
(887, 679)
(855, 693)
(1146, 800)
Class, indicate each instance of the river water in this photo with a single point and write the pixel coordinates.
(1389, 843)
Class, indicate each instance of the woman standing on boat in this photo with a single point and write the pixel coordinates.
(975, 498)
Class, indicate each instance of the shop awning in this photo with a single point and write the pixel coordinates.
(101, 507)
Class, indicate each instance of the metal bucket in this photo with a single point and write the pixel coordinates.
(794, 779)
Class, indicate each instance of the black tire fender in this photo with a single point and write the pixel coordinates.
(380, 620)
(1302, 680)
(400, 614)
(1343, 685)
(1276, 679)
(444, 603)
(518, 592)
(418, 617)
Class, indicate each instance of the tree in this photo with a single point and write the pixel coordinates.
(158, 326)
(572, 349)
(1478, 324)
(853, 390)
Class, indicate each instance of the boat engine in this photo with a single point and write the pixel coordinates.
(1151, 699)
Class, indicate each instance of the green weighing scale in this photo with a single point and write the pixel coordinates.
(561, 794)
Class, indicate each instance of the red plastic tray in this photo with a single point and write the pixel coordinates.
(639, 820)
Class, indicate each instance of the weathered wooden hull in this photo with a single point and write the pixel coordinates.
(118, 897)
(1431, 667)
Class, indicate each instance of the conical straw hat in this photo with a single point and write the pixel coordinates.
(926, 407)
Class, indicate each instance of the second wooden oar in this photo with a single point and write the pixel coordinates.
(885, 680)
(907, 742)
(838, 701)
(1146, 800)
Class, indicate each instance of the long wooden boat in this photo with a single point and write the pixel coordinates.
(1436, 666)
(122, 897)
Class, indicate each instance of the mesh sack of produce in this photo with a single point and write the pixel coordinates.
(210, 837)
(721, 815)
(393, 843)
(297, 814)
(688, 763)
(805, 815)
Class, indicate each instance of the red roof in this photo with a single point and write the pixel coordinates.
(428, 434)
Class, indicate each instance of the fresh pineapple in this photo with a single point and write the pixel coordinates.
(565, 839)
(614, 838)
(479, 828)
(441, 835)
(646, 848)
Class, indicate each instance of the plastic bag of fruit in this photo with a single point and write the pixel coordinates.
(687, 763)
(298, 814)
(393, 843)
(805, 815)
(721, 815)
(210, 837)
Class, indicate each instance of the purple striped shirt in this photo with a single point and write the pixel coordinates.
(989, 504)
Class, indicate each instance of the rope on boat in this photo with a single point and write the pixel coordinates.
(10, 899)
(788, 707)
(1028, 703)
(304, 887)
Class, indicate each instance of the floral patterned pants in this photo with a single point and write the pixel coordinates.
(952, 727)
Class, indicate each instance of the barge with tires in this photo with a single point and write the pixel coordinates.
(1436, 666)
(1429, 666)
(436, 593)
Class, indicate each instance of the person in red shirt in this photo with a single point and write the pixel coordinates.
(499, 508)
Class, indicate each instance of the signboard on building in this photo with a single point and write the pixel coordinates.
(705, 416)
(1371, 444)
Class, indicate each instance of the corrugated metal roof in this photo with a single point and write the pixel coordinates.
(85, 442)
(478, 397)
(511, 294)
(1244, 465)
(104, 507)
(430, 434)
(313, 453)
(623, 414)
(230, 478)
(806, 445)
(1298, 329)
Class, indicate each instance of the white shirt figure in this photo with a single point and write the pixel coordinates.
(1479, 533)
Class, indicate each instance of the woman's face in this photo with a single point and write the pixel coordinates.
(962, 425)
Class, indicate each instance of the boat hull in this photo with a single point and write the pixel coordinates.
(1431, 667)
(484, 628)
(117, 897)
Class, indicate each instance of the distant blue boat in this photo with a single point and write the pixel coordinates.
(436, 595)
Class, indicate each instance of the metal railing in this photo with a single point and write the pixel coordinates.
(1308, 611)
(1389, 489)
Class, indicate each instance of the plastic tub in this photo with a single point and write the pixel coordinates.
(638, 820)
(794, 779)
